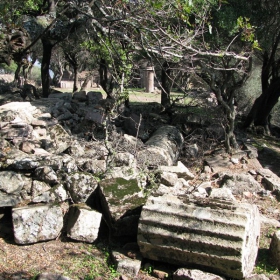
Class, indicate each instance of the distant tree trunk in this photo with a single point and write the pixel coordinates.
(75, 69)
(261, 110)
(17, 77)
(103, 75)
(165, 83)
(259, 114)
(45, 66)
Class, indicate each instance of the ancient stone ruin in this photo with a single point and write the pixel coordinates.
(59, 176)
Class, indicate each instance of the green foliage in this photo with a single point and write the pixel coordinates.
(248, 31)
(8, 69)
(36, 74)
(92, 267)
(11, 12)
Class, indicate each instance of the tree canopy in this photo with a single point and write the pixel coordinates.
(214, 39)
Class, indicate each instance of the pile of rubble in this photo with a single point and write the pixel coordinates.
(58, 176)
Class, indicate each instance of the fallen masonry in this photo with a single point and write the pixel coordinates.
(221, 236)
(54, 181)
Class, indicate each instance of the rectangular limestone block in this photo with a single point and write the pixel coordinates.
(83, 223)
(37, 223)
(220, 236)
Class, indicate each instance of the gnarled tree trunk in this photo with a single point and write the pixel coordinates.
(104, 81)
(165, 83)
(261, 110)
(45, 67)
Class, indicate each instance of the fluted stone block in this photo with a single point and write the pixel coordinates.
(219, 236)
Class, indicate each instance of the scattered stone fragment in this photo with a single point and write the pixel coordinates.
(168, 178)
(51, 276)
(194, 274)
(159, 274)
(239, 183)
(126, 265)
(181, 170)
(222, 193)
(46, 174)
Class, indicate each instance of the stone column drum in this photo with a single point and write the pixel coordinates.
(214, 235)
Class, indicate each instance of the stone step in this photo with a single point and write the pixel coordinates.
(220, 235)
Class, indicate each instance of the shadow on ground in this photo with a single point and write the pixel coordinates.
(270, 158)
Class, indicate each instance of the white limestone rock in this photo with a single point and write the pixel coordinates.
(36, 223)
(83, 223)
(194, 274)
(222, 236)
(180, 169)
(80, 185)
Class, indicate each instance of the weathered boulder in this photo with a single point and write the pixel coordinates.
(121, 203)
(270, 180)
(83, 223)
(62, 162)
(219, 235)
(16, 131)
(24, 162)
(55, 194)
(80, 186)
(94, 97)
(80, 96)
(13, 158)
(23, 110)
(36, 223)
(13, 187)
(124, 159)
(60, 140)
(46, 174)
(194, 274)
(163, 148)
(239, 183)
(125, 172)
